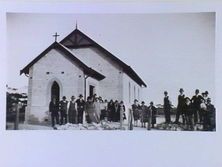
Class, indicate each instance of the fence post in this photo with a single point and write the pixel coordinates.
(130, 116)
(121, 117)
(16, 116)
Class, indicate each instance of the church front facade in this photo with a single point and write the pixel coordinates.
(77, 65)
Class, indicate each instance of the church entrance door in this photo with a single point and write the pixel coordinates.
(55, 91)
(91, 90)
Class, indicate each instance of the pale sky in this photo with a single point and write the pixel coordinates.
(168, 51)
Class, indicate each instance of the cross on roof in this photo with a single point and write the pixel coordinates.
(76, 24)
(56, 35)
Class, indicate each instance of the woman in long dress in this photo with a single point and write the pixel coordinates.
(91, 113)
(72, 112)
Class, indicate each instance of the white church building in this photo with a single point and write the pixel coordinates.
(77, 65)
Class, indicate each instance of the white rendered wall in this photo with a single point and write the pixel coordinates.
(71, 82)
(112, 86)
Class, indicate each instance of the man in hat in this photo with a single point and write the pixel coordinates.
(210, 117)
(153, 112)
(54, 110)
(72, 113)
(196, 101)
(166, 107)
(145, 115)
(80, 108)
(63, 107)
(180, 107)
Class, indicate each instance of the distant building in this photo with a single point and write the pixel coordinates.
(77, 65)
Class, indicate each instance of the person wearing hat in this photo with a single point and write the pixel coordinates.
(188, 113)
(167, 107)
(153, 112)
(144, 114)
(205, 96)
(111, 111)
(136, 114)
(72, 113)
(91, 114)
(54, 110)
(63, 106)
(180, 106)
(196, 101)
(210, 117)
(80, 108)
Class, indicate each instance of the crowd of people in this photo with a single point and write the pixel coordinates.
(195, 110)
(145, 114)
(94, 108)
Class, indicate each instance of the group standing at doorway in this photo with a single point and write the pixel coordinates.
(95, 109)
(194, 111)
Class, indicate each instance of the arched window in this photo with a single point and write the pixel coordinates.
(55, 91)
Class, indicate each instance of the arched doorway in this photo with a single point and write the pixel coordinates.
(55, 91)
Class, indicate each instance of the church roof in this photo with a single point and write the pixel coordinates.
(87, 70)
(77, 39)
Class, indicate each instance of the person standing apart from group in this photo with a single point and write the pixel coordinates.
(167, 107)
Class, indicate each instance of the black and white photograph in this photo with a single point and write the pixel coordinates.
(134, 72)
(111, 83)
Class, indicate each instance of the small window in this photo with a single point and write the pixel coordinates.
(62, 72)
(47, 73)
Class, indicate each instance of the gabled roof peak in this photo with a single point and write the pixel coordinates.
(55, 45)
(77, 39)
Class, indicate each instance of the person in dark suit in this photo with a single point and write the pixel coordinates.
(111, 111)
(80, 108)
(72, 113)
(63, 107)
(188, 112)
(180, 107)
(210, 117)
(196, 101)
(167, 107)
(54, 110)
(153, 112)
